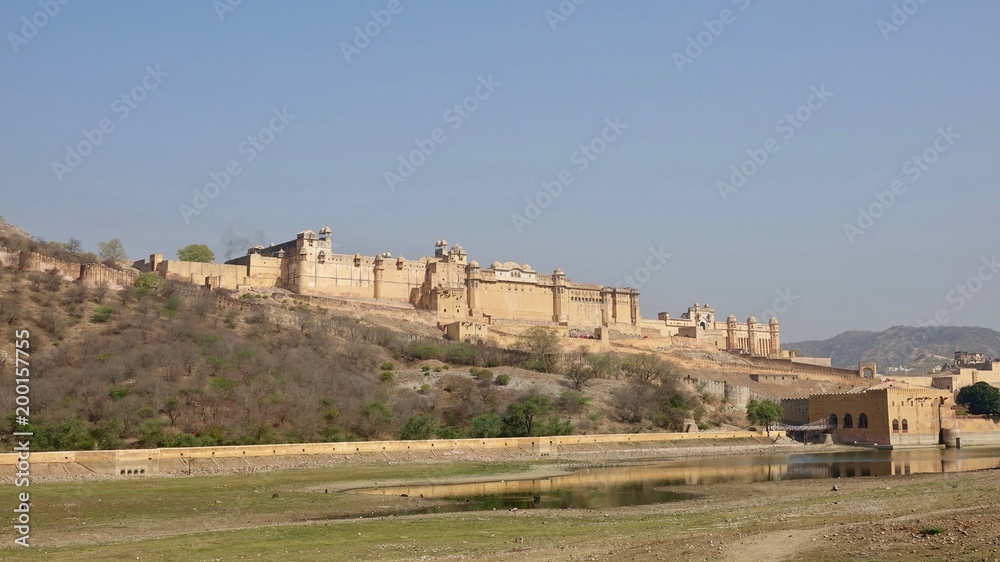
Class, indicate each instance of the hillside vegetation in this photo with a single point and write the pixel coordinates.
(169, 364)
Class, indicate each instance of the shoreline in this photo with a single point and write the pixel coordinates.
(594, 454)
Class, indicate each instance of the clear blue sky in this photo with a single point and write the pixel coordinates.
(656, 184)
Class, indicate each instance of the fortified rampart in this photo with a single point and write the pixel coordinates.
(32, 261)
(9, 258)
(96, 274)
(738, 396)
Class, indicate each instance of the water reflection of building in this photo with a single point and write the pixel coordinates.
(717, 470)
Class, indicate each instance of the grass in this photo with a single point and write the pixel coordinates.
(233, 517)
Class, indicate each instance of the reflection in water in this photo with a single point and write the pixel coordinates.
(639, 485)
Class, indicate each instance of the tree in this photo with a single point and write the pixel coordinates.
(980, 398)
(542, 346)
(196, 252)
(519, 419)
(646, 368)
(578, 370)
(112, 250)
(418, 427)
(764, 412)
(73, 245)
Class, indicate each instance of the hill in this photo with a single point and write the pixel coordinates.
(916, 348)
(171, 364)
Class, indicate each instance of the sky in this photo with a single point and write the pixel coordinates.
(834, 164)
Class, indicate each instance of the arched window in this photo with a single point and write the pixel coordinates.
(848, 421)
(832, 420)
(906, 426)
(895, 426)
(862, 421)
(321, 258)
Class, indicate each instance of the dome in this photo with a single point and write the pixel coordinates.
(773, 321)
(526, 267)
(751, 320)
(474, 264)
(732, 318)
(558, 271)
(496, 265)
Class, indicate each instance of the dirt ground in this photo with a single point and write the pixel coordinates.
(313, 514)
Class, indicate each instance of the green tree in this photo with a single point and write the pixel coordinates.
(112, 250)
(980, 398)
(764, 412)
(541, 344)
(519, 419)
(196, 252)
(418, 427)
(375, 417)
(486, 425)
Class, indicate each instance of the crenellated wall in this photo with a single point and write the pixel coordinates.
(9, 258)
(32, 261)
(96, 274)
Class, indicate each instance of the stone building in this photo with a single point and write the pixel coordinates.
(891, 413)
(463, 294)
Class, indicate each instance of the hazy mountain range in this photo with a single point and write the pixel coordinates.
(917, 348)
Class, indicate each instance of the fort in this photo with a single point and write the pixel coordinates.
(468, 300)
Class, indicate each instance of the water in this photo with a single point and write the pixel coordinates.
(650, 483)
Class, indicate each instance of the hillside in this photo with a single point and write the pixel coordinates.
(916, 348)
(171, 364)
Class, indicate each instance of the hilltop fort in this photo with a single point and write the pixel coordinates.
(468, 299)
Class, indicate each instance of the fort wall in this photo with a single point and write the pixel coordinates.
(31, 261)
(9, 258)
(229, 276)
(96, 274)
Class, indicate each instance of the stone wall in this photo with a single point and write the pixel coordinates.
(737, 395)
(32, 261)
(129, 462)
(795, 411)
(9, 258)
(96, 274)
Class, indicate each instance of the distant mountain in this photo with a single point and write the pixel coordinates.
(916, 348)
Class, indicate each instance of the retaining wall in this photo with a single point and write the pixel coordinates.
(147, 461)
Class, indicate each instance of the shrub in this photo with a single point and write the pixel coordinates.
(424, 349)
(425, 368)
(118, 392)
(424, 389)
(438, 369)
(101, 314)
(417, 427)
(387, 376)
(461, 353)
(147, 283)
(388, 366)
(486, 425)
(502, 380)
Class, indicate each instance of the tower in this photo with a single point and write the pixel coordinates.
(752, 336)
(560, 307)
(731, 332)
(775, 340)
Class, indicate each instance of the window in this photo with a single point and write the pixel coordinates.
(895, 426)
(832, 420)
(862, 421)
(848, 421)
(906, 426)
